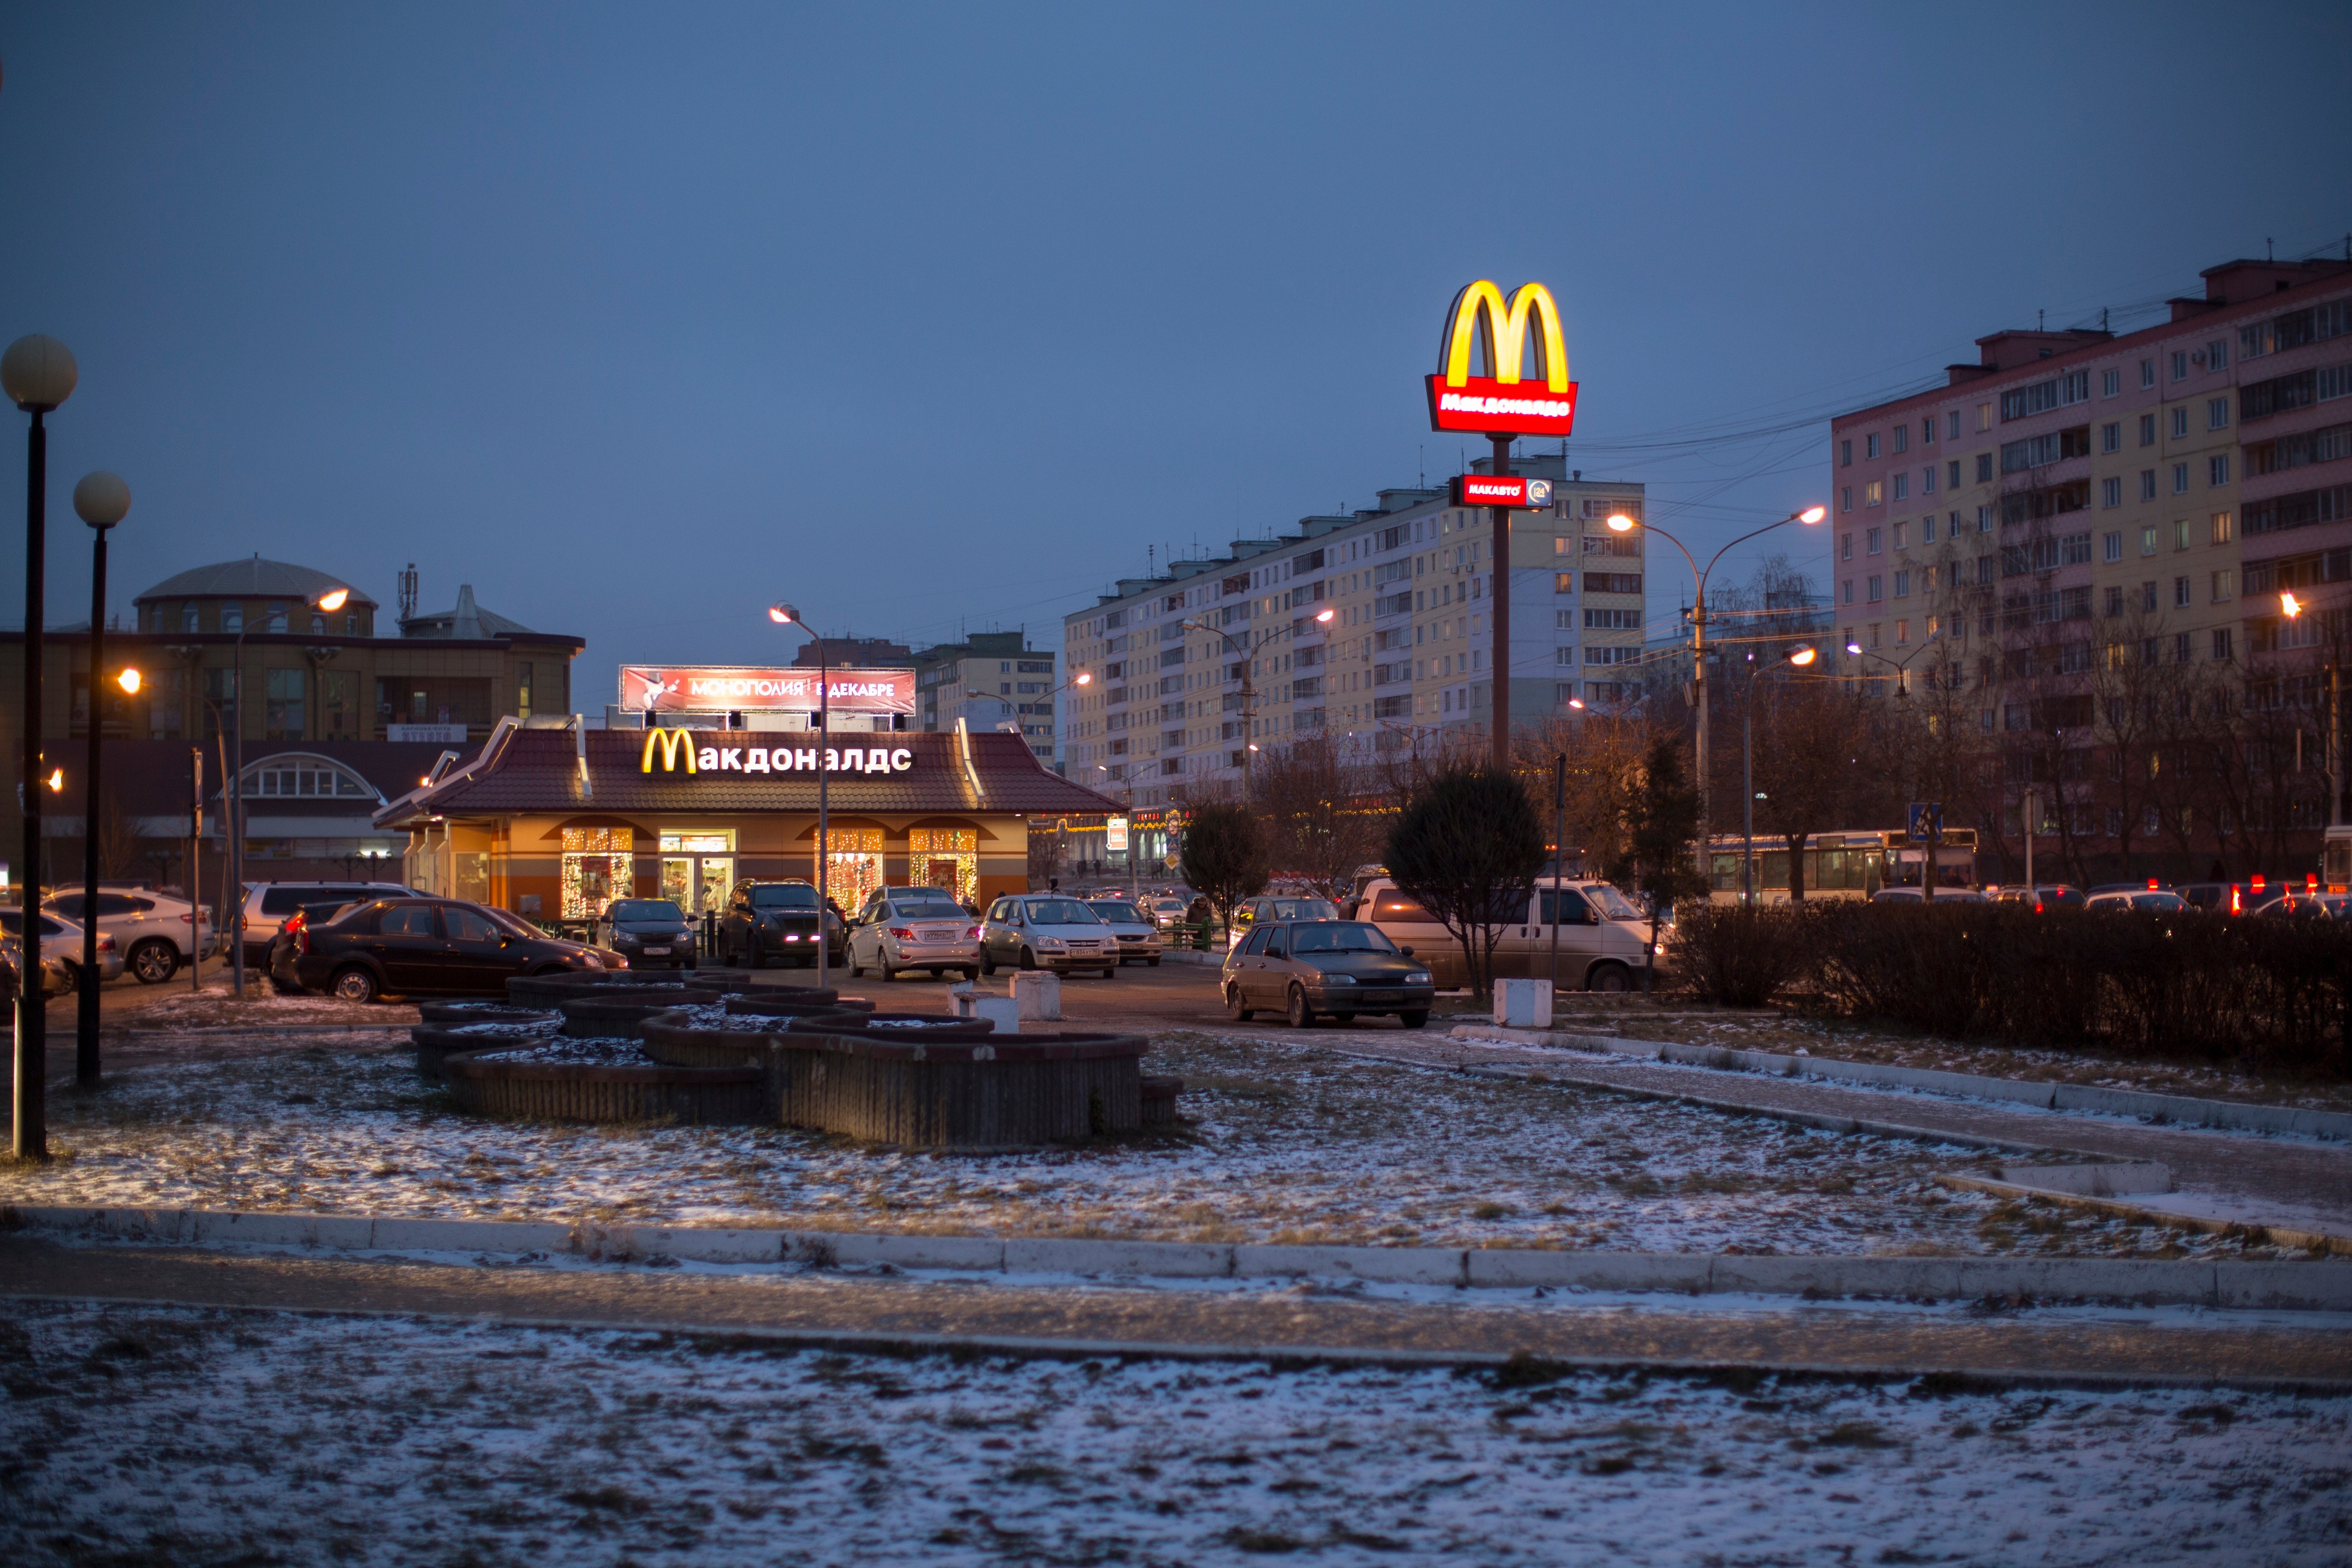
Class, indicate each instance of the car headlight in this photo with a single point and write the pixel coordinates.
(1417, 977)
(1338, 980)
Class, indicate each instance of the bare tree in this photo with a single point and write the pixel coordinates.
(1324, 816)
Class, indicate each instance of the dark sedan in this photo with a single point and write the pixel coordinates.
(420, 947)
(651, 934)
(1339, 967)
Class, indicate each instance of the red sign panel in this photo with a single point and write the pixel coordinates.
(1487, 407)
(703, 689)
(1515, 490)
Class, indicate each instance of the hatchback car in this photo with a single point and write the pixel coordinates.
(1166, 911)
(61, 944)
(1046, 931)
(902, 929)
(1138, 932)
(776, 920)
(1339, 967)
(1275, 907)
(419, 946)
(652, 933)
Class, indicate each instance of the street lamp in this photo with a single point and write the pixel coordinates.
(1248, 652)
(1621, 523)
(1800, 657)
(101, 500)
(38, 373)
(233, 896)
(785, 615)
(2290, 606)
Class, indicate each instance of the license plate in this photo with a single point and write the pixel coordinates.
(938, 936)
(656, 952)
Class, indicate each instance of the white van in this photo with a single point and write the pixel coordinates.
(1603, 936)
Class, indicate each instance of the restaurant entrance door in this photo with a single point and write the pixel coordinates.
(697, 868)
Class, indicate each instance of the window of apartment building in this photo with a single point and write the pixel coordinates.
(1902, 487)
(1952, 426)
(1902, 438)
(2180, 648)
(1874, 635)
(1845, 453)
(2114, 599)
(2225, 527)
(1869, 446)
(2111, 437)
(2180, 423)
(2222, 644)
(1984, 416)
(1984, 467)
(1984, 519)
(1875, 493)
(2147, 599)
(2148, 429)
(1927, 431)
(2148, 484)
(1876, 588)
(1984, 570)
(1928, 480)
(1902, 536)
(1902, 584)
(2111, 546)
(2217, 414)
(1563, 582)
(2217, 354)
(1845, 498)
(2074, 550)
(2111, 382)
(2180, 533)
(2181, 364)
(1845, 547)
(1927, 581)
(1902, 633)
(2180, 478)
(2111, 492)
(2216, 469)
(2181, 597)
(1846, 595)
(1952, 475)
(2223, 582)
(1870, 541)
(1927, 529)
(2146, 374)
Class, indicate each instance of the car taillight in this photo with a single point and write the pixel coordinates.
(973, 935)
(105, 942)
(902, 933)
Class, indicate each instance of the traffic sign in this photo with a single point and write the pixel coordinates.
(1925, 820)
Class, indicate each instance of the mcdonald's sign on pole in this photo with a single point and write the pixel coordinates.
(1504, 403)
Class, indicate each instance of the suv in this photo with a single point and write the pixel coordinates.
(266, 905)
(776, 919)
(61, 946)
(152, 931)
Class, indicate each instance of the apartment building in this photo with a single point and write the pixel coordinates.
(1370, 626)
(992, 680)
(2080, 498)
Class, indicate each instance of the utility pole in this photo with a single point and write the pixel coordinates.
(1499, 610)
(1559, 859)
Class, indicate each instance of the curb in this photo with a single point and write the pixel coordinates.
(2290, 1287)
(2122, 1208)
(2190, 1109)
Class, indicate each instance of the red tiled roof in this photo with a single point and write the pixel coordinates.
(539, 770)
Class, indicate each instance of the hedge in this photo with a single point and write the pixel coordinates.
(2272, 992)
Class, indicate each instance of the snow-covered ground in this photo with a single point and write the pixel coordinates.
(184, 1434)
(1289, 1142)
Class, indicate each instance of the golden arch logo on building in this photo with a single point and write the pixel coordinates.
(676, 749)
(1502, 402)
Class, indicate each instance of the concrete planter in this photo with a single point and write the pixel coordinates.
(435, 1044)
(910, 1026)
(558, 1091)
(1158, 1101)
(972, 1094)
(793, 1001)
(453, 1014)
(616, 1011)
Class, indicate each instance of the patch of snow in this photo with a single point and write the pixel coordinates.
(600, 1051)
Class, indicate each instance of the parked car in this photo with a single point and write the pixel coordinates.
(652, 933)
(55, 979)
(413, 945)
(1340, 967)
(266, 905)
(1943, 896)
(776, 919)
(61, 944)
(2043, 899)
(2154, 899)
(2304, 906)
(899, 929)
(1046, 931)
(1167, 909)
(1272, 906)
(157, 934)
(1138, 932)
(1602, 944)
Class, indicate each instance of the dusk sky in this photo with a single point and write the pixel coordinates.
(638, 318)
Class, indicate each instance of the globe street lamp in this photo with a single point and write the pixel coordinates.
(1621, 523)
(38, 373)
(783, 614)
(1800, 657)
(101, 500)
(233, 896)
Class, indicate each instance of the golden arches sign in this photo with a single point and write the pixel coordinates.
(1479, 308)
(673, 745)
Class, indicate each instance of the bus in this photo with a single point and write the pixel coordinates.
(1845, 864)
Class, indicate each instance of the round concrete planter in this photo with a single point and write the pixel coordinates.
(437, 1043)
(617, 1010)
(558, 1091)
(795, 1001)
(984, 1092)
(456, 1012)
(894, 1026)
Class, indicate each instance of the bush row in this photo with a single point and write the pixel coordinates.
(2269, 991)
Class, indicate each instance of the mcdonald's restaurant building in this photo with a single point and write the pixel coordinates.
(551, 818)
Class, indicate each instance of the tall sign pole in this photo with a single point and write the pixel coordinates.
(1500, 405)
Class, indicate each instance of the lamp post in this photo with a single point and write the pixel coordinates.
(2291, 607)
(1800, 657)
(783, 614)
(101, 500)
(233, 896)
(1621, 523)
(38, 373)
(1248, 652)
(1901, 668)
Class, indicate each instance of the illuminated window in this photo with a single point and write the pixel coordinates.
(598, 866)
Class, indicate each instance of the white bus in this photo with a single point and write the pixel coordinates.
(1844, 864)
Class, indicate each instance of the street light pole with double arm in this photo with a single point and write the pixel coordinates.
(1248, 652)
(1800, 657)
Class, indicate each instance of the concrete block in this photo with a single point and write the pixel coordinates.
(1038, 994)
(1163, 1260)
(280, 1229)
(467, 1235)
(2294, 1287)
(959, 998)
(1395, 1265)
(1004, 1012)
(712, 1244)
(1502, 1267)
(1523, 1004)
(142, 1225)
(2091, 1181)
(2143, 1281)
(969, 1254)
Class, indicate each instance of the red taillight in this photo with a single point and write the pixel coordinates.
(2151, 884)
(2037, 906)
(297, 928)
(902, 933)
(973, 935)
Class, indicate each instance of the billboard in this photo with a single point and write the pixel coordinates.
(741, 689)
(1515, 491)
(1502, 403)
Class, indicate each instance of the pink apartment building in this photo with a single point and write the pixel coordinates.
(2076, 550)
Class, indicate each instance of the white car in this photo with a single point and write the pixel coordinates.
(901, 928)
(1138, 933)
(1166, 912)
(1046, 931)
(61, 944)
(157, 934)
(1596, 935)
